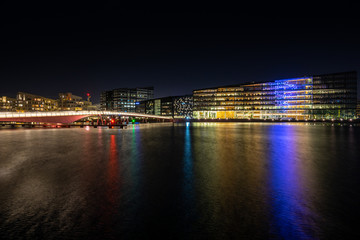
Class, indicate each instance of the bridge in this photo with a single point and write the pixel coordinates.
(66, 117)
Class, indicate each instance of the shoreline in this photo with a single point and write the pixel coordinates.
(268, 120)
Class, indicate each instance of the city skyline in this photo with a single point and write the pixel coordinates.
(217, 121)
(93, 48)
(87, 94)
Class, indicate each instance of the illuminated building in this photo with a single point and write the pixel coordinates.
(335, 96)
(183, 106)
(124, 99)
(175, 106)
(358, 109)
(29, 102)
(7, 104)
(329, 96)
(70, 102)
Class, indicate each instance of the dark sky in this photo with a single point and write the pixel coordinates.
(47, 49)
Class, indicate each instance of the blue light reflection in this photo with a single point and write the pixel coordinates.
(290, 210)
(188, 164)
(188, 182)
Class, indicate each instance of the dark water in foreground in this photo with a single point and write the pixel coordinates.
(198, 181)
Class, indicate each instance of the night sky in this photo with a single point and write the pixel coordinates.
(47, 49)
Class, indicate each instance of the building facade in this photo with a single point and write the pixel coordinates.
(175, 106)
(26, 102)
(7, 104)
(329, 96)
(124, 99)
(70, 102)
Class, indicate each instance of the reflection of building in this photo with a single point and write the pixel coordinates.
(330, 96)
(68, 101)
(7, 104)
(30, 102)
(177, 107)
(124, 99)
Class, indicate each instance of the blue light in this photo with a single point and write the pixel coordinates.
(288, 199)
(188, 169)
(137, 103)
(289, 91)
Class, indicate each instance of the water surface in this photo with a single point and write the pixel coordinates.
(182, 181)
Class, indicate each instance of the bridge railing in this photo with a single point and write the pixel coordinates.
(76, 113)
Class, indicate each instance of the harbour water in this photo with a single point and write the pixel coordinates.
(181, 181)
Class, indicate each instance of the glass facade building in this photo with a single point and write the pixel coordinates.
(124, 99)
(329, 96)
(176, 106)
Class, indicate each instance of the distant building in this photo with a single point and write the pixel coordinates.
(328, 96)
(124, 99)
(175, 106)
(70, 102)
(358, 109)
(29, 102)
(94, 107)
(7, 104)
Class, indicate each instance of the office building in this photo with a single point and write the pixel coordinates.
(124, 99)
(328, 96)
(175, 106)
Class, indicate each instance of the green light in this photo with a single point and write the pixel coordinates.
(133, 120)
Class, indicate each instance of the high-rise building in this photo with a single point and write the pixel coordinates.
(175, 106)
(329, 96)
(124, 99)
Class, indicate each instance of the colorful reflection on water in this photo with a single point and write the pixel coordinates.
(188, 168)
(182, 181)
(291, 207)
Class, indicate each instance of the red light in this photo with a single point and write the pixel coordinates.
(88, 94)
(112, 120)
